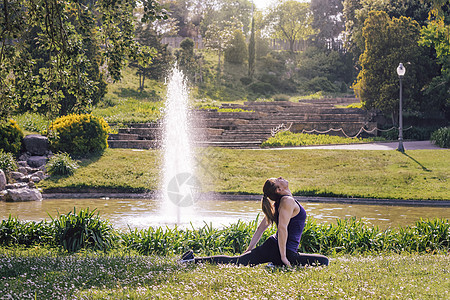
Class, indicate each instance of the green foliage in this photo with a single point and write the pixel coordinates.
(251, 51)
(32, 122)
(53, 51)
(280, 97)
(84, 230)
(356, 12)
(236, 52)
(387, 43)
(261, 88)
(441, 137)
(61, 164)
(7, 162)
(318, 84)
(221, 109)
(130, 110)
(14, 232)
(287, 139)
(327, 22)
(411, 133)
(79, 135)
(11, 137)
(322, 62)
(290, 20)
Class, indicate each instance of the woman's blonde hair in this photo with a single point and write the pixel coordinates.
(268, 208)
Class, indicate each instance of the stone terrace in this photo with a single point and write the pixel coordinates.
(249, 129)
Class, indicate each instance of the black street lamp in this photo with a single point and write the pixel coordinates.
(401, 72)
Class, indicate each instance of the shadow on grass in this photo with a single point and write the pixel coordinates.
(417, 162)
(139, 95)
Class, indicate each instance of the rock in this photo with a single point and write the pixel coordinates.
(16, 175)
(17, 185)
(32, 170)
(39, 174)
(37, 161)
(2, 180)
(3, 195)
(35, 179)
(23, 194)
(36, 144)
(31, 185)
(23, 170)
(22, 163)
(25, 178)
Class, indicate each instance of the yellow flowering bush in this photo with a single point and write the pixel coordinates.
(11, 137)
(79, 135)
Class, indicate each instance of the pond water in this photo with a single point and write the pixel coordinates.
(142, 213)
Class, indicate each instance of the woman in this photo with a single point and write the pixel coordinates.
(281, 208)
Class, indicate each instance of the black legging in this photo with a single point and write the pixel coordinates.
(267, 252)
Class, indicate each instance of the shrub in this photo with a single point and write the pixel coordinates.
(7, 162)
(281, 97)
(61, 164)
(11, 137)
(261, 88)
(79, 135)
(15, 232)
(410, 133)
(236, 52)
(84, 230)
(320, 84)
(246, 80)
(441, 137)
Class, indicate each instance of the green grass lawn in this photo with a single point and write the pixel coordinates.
(418, 174)
(43, 274)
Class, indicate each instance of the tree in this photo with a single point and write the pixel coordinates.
(218, 36)
(217, 11)
(387, 43)
(437, 35)
(252, 51)
(73, 39)
(160, 60)
(355, 13)
(327, 22)
(290, 20)
(236, 52)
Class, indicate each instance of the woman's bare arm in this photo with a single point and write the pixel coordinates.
(285, 211)
(258, 233)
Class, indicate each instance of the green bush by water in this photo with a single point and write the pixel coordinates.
(79, 135)
(85, 230)
(441, 137)
(61, 164)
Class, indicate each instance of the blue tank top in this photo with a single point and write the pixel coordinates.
(295, 227)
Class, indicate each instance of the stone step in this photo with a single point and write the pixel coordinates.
(139, 125)
(235, 145)
(123, 136)
(143, 133)
(134, 144)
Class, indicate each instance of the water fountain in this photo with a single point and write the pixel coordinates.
(179, 183)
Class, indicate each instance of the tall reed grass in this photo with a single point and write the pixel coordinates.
(85, 230)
